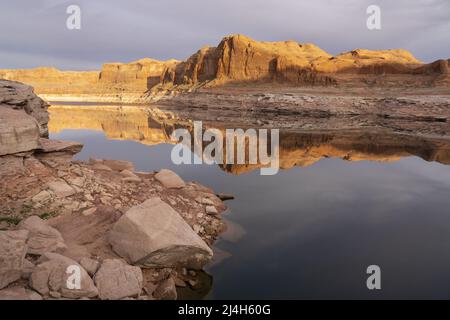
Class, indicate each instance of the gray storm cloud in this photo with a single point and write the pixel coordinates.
(34, 32)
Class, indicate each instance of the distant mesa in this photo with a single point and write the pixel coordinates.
(238, 59)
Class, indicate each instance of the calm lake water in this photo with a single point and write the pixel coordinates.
(312, 230)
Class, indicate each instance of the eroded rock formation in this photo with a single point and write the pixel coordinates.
(236, 60)
(239, 58)
(18, 96)
(115, 82)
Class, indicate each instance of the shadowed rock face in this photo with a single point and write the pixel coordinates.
(297, 148)
(237, 59)
(19, 132)
(18, 96)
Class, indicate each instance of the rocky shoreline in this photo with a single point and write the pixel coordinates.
(420, 114)
(132, 235)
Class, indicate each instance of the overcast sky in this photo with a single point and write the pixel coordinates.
(33, 32)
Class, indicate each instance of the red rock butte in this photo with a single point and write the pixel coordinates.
(240, 59)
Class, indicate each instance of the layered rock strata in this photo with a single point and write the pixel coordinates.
(240, 60)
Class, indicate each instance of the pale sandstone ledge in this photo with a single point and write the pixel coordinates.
(56, 213)
(126, 98)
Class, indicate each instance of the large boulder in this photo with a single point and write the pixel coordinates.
(43, 238)
(117, 280)
(55, 276)
(19, 132)
(19, 96)
(12, 254)
(153, 234)
(23, 118)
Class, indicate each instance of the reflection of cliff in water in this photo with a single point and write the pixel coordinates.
(297, 148)
(147, 126)
(301, 149)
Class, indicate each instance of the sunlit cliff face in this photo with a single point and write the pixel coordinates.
(297, 149)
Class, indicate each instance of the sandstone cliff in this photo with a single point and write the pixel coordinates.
(236, 60)
(51, 80)
(116, 82)
(239, 59)
(138, 75)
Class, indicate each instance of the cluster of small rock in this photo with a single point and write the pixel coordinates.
(104, 227)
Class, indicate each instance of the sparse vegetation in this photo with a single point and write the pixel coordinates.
(48, 215)
(26, 208)
(11, 220)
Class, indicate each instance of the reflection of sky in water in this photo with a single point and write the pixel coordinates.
(311, 232)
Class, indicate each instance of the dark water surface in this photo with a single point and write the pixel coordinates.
(311, 232)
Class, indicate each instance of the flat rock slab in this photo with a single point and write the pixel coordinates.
(153, 234)
(13, 248)
(61, 189)
(42, 237)
(117, 280)
(60, 146)
(42, 196)
(169, 179)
